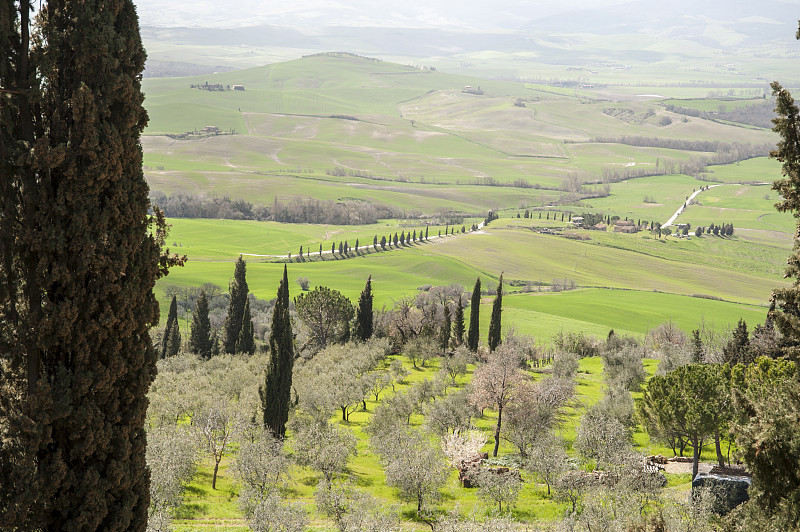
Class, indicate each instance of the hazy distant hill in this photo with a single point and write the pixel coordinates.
(711, 23)
(518, 40)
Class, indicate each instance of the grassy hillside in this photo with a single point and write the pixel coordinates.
(401, 132)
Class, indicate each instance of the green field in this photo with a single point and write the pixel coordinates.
(347, 128)
(408, 127)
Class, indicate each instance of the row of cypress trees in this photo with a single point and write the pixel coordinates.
(495, 324)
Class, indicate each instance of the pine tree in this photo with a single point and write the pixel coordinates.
(474, 317)
(276, 392)
(444, 339)
(78, 264)
(172, 318)
(364, 327)
(246, 343)
(238, 290)
(200, 337)
(494, 323)
(458, 322)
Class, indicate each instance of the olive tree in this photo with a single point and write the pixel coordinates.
(499, 486)
(494, 382)
(322, 446)
(413, 464)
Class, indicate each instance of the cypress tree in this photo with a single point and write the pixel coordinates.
(356, 245)
(172, 318)
(78, 264)
(402, 238)
(320, 250)
(364, 313)
(172, 340)
(276, 392)
(375, 243)
(474, 317)
(426, 233)
(446, 326)
(458, 322)
(333, 249)
(246, 342)
(494, 323)
(238, 290)
(200, 337)
(216, 348)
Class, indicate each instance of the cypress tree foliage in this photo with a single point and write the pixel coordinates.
(364, 327)
(216, 348)
(200, 337)
(172, 318)
(276, 392)
(786, 316)
(458, 323)
(444, 338)
(246, 342)
(494, 324)
(233, 321)
(77, 269)
(172, 339)
(474, 317)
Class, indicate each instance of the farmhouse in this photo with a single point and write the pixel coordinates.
(599, 227)
(212, 129)
(577, 220)
(625, 226)
(238, 87)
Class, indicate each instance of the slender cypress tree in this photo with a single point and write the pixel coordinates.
(276, 392)
(200, 337)
(238, 291)
(246, 342)
(77, 269)
(494, 324)
(458, 322)
(216, 348)
(474, 317)
(364, 313)
(173, 340)
(426, 232)
(172, 318)
(444, 338)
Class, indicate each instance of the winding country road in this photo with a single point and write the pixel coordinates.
(685, 204)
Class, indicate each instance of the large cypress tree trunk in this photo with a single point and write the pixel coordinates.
(87, 267)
